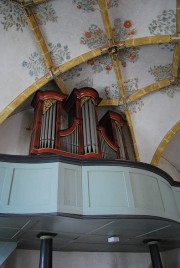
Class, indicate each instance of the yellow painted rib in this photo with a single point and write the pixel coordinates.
(105, 18)
(148, 40)
(147, 90)
(22, 97)
(129, 121)
(162, 146)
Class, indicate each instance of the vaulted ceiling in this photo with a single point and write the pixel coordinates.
(128, 51)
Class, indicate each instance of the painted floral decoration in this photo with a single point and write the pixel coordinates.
(88, 82)
(100, 64)
(162, 72)
(13, 15)
(129, 55)
(130, 86)
(45, 13)
(92, 5)
(164, 24)
(74, 72)
(123, 30)
(94, 37)
(36, 65)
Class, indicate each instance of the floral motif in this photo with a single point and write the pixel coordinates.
(164, 24)
(130, 86)
(112, 92)
(74, 72)
(36, 65)
(45, 13)
(104, 63)
(169, 47)
(161, 72)
(88, 82)
(129, 55)
(123, 30)
(14, 15)
(101, 63)
(92, 5)
(58, 53)
(93, 38)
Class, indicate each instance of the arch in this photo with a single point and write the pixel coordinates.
(162, 146)
(22, 97)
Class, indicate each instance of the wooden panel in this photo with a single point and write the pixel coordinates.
(5, 182)
(70, 189)
(168, 197)
(32, 189)
(177, 197)
(146, 191)
(2, 180)
(106, 189)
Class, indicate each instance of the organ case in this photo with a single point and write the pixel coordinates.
(83, 136)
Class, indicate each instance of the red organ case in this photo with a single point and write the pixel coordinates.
(79, 134)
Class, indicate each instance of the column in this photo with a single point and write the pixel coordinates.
(45, 260)
(155, 255)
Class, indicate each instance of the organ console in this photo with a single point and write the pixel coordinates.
(84, 136)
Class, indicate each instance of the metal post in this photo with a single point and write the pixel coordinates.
(155, 255)
(45, 260)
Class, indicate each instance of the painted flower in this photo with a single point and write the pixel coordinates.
(127, 24)
(88, 35)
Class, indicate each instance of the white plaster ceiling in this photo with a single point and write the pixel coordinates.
(72, 28)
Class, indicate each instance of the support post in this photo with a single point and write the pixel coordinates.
(46, 249)
(155, 254)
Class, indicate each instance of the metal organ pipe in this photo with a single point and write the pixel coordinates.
(47, 136)
(89, 127)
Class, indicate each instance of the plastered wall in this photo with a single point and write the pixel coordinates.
(30, 259)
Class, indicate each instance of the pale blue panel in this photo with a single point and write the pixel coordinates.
(70, 189)
(2, 180)
(5, 183)
(33, 189)
(177, 197)
(6, 248)
(168, 197)
(107, 189)
(146, 191)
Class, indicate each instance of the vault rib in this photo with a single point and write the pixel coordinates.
(113, 52)
(22, 97)
(43, 48)
(148, 89)
(176, 56)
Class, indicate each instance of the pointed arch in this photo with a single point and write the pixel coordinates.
(162, 146)
(22, 97)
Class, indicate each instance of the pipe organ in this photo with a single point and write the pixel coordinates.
(83, 136)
